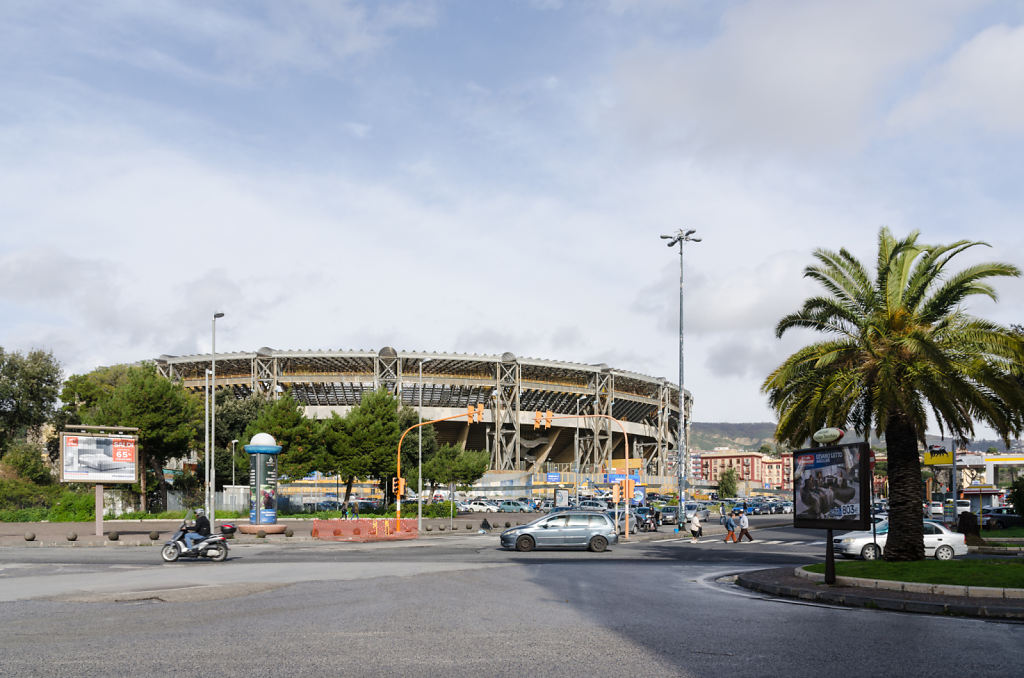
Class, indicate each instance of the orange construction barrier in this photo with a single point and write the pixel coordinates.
(369, 529)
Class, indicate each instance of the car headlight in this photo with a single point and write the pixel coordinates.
(846, 541)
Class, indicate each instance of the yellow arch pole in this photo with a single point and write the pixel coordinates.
(471, 413)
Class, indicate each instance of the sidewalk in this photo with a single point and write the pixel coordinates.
(784, 582)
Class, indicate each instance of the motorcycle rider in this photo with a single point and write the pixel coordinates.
(199, 531)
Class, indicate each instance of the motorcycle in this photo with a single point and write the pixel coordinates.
(649, 523)
(214, 547)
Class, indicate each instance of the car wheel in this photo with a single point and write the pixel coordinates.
(944, 552)
(598, 544)
(997, 525)
(870, 552)
(525, 543)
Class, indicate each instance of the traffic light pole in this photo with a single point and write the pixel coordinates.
(474, 414)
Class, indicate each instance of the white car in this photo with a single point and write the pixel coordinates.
(939, 542)
(482, 506)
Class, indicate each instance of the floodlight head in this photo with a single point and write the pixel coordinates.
(672, 242)
(690, 232)
(218, 315)
(694, 239)
(234, 441)
(665, 237)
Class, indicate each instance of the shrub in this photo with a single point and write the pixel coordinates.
(73, 506)
(26, 460)
(18, 493)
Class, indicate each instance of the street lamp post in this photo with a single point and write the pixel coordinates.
(233, 442)
(212, 508)
(683, 463)
(419, 469)
(206, 441)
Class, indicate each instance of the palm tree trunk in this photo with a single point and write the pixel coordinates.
(906, 533)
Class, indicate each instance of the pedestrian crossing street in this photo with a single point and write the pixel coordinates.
(766, 542)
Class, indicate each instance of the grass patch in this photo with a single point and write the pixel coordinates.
(1008, 533)
(998, 573)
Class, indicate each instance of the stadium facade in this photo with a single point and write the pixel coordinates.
(511, 389)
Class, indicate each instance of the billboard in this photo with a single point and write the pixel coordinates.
(827, 487)
(91, 458)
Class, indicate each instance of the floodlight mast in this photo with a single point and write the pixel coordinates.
(681, 237)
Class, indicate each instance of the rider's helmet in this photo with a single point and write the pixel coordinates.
(200, 512)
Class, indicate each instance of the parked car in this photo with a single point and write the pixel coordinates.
(546, 505)
(1000, 518)
(691, 507)
(787, 507)
(939, 542)
(935, 509)
(511, 506)
(595, 504)
(669, 515)
(528, 502)
(634, 520)
(482, 506)
(568, 529)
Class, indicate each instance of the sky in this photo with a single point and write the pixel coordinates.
(484, 177)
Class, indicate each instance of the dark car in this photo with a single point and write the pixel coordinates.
(1000, 518)
(669, 515)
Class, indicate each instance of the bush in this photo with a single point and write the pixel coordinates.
(18, 493)
(73, 506)
(26, 460)
(28, 515)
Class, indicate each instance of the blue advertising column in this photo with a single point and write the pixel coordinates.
(263, 451)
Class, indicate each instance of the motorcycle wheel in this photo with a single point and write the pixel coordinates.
(169, 553)
(218, 553)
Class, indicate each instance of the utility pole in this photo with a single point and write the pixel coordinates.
(681, 237)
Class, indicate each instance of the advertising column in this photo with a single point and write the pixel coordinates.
(263, 451)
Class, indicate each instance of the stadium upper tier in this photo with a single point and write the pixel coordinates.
(511, 389)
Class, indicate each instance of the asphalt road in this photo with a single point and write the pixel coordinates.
(462, 607)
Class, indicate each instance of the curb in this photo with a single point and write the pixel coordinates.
(866, 600)
(916, 587)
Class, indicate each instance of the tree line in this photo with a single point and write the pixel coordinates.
(36, 404)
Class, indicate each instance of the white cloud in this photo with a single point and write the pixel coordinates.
(982, 83)
(798, 77)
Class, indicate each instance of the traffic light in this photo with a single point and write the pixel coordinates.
(394, 486)
(401, 487)
(537, 416)
(475, 413)
(548, 416)
(616, 493)
(628, 485)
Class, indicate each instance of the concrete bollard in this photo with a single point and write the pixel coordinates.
(72, 536)
(289, 532)
(154, 535)
(113, 536)
(261, 534)
(30, 536)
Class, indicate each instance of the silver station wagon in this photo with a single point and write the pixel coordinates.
(570, 529)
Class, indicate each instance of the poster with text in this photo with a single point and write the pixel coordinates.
(98, 459)
(827, 488)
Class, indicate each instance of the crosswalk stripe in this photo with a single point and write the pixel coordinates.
(817, 543)
(774, 542)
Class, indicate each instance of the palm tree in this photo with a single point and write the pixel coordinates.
(899, 347)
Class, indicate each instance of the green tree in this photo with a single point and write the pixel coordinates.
(899, 346)
(408, 416)
(29, 386)
(27, 461)
(168, 418)
(453, 465)
(234, 416)
(302, 441)
(373, 436)
(1016, 494)
(728, 483)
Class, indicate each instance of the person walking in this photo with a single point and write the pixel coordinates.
(694, 528)
(744, 526)
(355, 510)
(730, 528)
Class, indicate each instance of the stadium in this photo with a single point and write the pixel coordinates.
(512, 391)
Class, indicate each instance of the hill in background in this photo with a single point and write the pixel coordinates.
(751, 436)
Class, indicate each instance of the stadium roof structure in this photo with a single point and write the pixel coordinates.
(511, 389)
